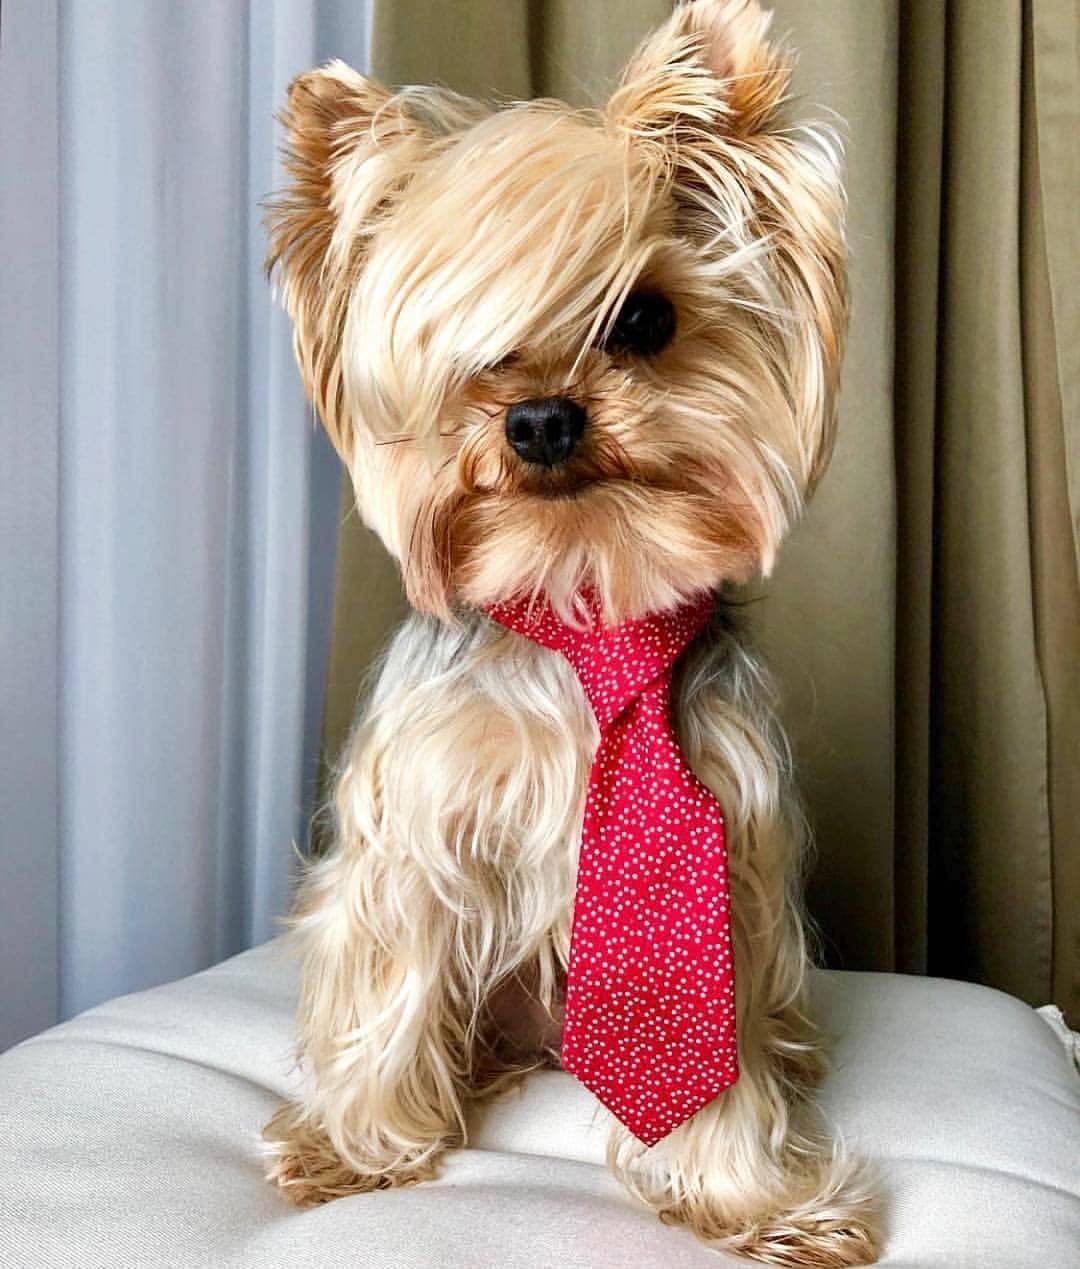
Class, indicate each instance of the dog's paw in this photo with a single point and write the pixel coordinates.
(827, 1217)
(308, 1171)
(799, 1240)
(813, 1243)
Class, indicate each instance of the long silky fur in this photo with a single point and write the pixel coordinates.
(442, 259)
(458, 812)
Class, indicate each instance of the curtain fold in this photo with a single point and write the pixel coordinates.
(925, 618)
(989, 863)
(920, 141)
(29, 575)
(1050, 306)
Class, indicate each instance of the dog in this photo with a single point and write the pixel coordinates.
(562, 354)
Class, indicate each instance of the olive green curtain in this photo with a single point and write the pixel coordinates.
(925, 617)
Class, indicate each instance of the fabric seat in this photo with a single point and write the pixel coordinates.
(130, 1137)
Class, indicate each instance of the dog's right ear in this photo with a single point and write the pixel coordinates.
(351, 146)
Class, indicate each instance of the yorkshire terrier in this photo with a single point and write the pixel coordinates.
(562, 354)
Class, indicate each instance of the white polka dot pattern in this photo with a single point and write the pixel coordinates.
(650, 997)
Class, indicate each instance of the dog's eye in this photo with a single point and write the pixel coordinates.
(644, 325)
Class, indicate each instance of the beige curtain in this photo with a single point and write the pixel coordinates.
(925, 619)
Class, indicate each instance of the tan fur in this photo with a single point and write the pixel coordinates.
(443, 260)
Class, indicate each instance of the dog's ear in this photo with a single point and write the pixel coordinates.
(710, 65)
(704, 97)
(351, 146)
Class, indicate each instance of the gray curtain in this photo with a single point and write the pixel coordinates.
(169, 509)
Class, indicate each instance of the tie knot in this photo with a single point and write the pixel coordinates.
(615, 664)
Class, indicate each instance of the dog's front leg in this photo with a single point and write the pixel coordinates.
(452, 871)
(380, 1035)
(754, 1172)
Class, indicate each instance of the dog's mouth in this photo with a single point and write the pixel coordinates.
(568, 486)
(599, 469)
(594, 467)
(560, 486)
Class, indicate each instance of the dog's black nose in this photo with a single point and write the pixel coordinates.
(545, 431)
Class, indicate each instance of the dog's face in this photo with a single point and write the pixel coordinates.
(560, 349)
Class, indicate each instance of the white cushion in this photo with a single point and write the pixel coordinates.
(129, 1138)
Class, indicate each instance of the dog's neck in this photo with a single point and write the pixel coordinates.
(614, 663)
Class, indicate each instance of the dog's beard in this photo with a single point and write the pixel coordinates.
(641, 539)
(637, 548)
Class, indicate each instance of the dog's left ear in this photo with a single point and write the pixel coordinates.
(705, 96)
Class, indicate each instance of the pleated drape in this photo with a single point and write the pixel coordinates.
(168, 513)
(1050, 303)
(925, 618)
(988, 741)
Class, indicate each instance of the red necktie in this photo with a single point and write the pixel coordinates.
(650, 993)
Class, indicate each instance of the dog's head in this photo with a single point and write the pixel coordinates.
(562, 349)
